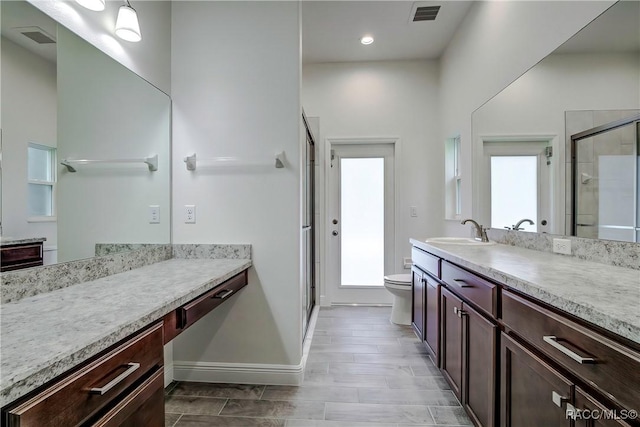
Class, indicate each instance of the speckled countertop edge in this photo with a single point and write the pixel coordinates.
(607, 296)
(5, 241)
(52, 344)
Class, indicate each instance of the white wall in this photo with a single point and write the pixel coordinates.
(236, 92)
(29, 97)
(496, 43)
(382, 99)
(105, 111)
(149, 58)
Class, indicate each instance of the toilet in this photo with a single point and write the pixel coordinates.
(400, 286)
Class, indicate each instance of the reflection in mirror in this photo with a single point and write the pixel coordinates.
(605, 163)
(62, 98)
(524, 132)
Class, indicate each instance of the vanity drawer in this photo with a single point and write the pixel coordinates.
(21, 256)
(426, 261)
(475, 289)
(608, 366)
(80, 395)
(191, 312)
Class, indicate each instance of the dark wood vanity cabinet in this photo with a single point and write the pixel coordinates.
(451, 350)
(587, 411)
(117, 388)
(124, 385)
(469, 357)
(432, 317)
(533, 394)
(425, 317)
(21, 255)
(513, 361)
(178, 320)
(418, 302)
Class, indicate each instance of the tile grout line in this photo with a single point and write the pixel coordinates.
(223, 406)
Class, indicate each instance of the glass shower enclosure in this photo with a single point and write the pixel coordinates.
(605, 166)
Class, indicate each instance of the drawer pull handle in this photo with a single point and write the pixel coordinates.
(463, 283)
(133, 366)
(223, 294)
(553, 342)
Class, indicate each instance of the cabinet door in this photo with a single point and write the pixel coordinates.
(480, 351)
(144, 406)
(589, 412)
(432, 317)
(533, 394)
(417, 317)
(451, 336)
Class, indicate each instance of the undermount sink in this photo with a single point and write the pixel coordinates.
(457, 241)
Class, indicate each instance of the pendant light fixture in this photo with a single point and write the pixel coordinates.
(127, 26)
(96, 5)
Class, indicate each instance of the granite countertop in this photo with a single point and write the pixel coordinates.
(604, 295)
(45, 335)
(6, 241)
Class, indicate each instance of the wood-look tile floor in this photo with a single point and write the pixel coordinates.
(362, 371)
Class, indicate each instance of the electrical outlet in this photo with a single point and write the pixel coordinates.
(189, 214)
(413, 211)
(407, 263)
(154, 214)
(562, 246)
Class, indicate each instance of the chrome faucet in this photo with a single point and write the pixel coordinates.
(519, 223)
(481, 232)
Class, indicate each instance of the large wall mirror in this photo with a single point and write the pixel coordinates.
(65, 100)
(524, 166)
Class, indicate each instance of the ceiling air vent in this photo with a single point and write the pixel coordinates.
(426, 13)
(36, 34)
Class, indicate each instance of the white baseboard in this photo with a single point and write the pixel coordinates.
(238, 373)
(168, 374)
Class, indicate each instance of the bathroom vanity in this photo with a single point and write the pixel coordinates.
(529, 338)
(21, 253)
(92, 353)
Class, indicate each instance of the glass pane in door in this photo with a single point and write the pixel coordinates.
(362, 216)
(514, 191)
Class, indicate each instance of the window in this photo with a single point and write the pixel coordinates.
(41, 176)
(453, 190)
(362, 213)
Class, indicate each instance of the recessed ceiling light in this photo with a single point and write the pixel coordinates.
(366, 40)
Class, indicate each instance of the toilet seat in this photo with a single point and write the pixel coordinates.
(398, 280)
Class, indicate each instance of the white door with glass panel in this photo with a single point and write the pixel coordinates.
(517, 185)
(360, 223)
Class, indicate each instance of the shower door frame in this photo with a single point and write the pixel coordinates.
(574, 160)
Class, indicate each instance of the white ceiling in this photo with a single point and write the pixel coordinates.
(20, 14)
(331, 30)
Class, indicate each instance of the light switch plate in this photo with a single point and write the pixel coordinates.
(413, 211)
(154, 214)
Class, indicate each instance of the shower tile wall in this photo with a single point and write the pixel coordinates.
(588, 152)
